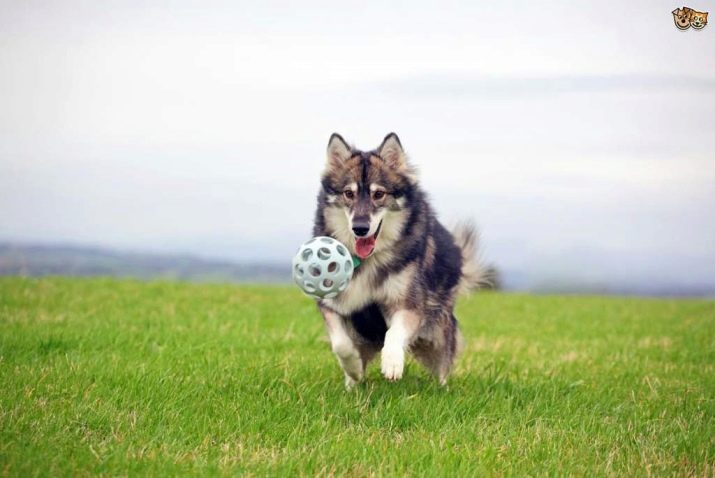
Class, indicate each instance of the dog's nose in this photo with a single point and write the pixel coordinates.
(361, 229)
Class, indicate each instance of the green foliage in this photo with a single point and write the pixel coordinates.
(124, 378)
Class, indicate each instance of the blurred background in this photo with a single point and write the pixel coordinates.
(187, 140)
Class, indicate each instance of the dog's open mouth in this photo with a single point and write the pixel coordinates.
(365, 245)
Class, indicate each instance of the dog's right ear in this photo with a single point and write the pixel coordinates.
(338, 151)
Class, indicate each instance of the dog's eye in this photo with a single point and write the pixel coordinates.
(349, 194)
(377, 195)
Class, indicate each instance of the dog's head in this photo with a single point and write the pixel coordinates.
(366, 193)
(681, 16)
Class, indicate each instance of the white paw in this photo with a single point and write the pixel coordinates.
(393, 363)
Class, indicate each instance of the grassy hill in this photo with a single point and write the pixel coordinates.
(115, 377)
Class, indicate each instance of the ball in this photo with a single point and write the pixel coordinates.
(323, 267)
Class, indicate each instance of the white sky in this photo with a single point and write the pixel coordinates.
(570, 132)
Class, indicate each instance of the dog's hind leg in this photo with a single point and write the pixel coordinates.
(368, 351)
(435, 358)
(438, 350)
(344, 347)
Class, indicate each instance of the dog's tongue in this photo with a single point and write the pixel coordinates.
(364, 246)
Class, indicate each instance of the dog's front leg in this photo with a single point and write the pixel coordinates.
(402, 328)
(343, 347)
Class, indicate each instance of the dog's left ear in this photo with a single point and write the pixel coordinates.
(391, 151)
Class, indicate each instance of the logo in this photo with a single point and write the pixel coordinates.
(685, 18)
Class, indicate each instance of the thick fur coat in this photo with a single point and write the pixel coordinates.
(401, 298)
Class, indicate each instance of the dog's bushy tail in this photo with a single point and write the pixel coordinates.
(474, 274)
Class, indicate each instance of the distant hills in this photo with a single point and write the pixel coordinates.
(42, 260)
(36, 260)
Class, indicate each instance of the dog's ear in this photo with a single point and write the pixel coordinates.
(391, 151)
(338, 151)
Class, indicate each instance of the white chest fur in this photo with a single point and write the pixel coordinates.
(363, 290)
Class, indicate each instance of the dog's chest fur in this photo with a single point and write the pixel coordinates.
(365, 289)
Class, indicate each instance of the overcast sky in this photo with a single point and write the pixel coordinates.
(576, 134)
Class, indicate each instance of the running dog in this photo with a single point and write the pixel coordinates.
(401, 297)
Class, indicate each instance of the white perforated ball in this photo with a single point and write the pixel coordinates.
(322, 268)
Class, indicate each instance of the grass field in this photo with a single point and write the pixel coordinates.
(122, 377)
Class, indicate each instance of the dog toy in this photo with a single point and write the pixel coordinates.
(323, 267)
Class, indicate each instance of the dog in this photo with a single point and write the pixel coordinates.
(402, 295)
(681, 17)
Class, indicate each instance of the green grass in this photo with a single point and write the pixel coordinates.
(124, 378)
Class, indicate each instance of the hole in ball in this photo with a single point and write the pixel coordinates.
(348, 266)
(299, 271)
(326, 240)
(314, 270)
(324, 253)
(343, 285)
(327, 283)
(308, 286)
(342, 251)
(307, 254)
(333, 267)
